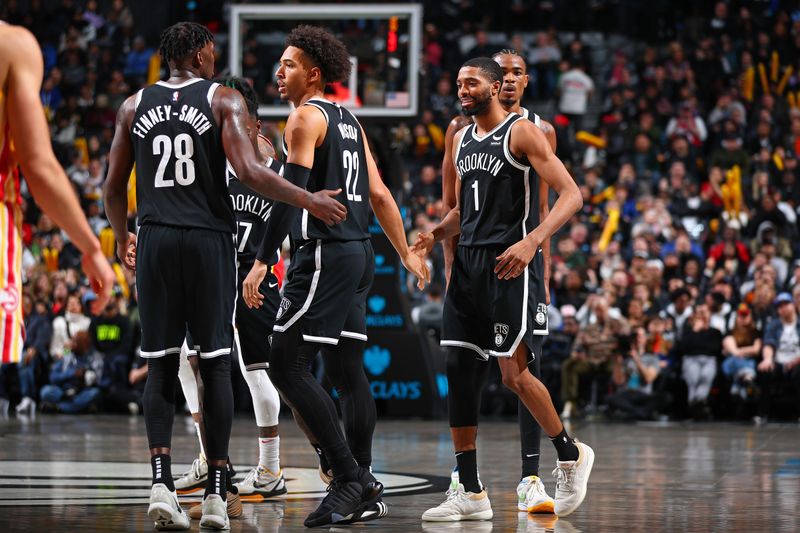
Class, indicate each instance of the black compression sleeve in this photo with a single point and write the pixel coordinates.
(282, 215)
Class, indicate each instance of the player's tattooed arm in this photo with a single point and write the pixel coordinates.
(528, 140)
(544, 207)
(385, 208)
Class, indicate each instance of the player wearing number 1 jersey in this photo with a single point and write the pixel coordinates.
(324, 299)
(498, 160)
(179, 133)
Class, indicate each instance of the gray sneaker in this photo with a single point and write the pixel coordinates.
(215, 513)
(165, 510)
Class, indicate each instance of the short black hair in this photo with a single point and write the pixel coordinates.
(324, 50)
(182, 39)
(510, 52)
(487, 66)
(244, 87)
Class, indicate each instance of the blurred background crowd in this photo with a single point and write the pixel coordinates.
(674, 291)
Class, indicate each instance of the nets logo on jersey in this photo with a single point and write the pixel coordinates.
(500, 333)
(541, 314)
(285, 305)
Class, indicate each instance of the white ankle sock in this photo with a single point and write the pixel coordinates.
(269, 453)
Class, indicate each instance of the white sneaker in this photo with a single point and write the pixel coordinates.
(4, 407)
(195, 477)
(568, 411)
(571, 480)
(165, 510)
(461, 505)
(215, 513)
(27, 405)
(261, 481)
(532, 496)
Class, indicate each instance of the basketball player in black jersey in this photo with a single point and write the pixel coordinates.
(324, 299)
(488, 309)
(531, 494)
(179, 133)
(253, 327)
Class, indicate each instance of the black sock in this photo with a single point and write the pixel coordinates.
(231, 473)
(162, 470)
(468, 470)
(530, 465)
(323, 461)
(565, 446)
(217, 481)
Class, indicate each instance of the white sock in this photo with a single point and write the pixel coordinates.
(200, 440)
(269, 453)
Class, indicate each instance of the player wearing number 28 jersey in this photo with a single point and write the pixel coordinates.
(179, 133)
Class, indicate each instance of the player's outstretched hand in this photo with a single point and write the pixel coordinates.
(101, 278)
(325, 208)
(514, 260)
(423, 245)
(417, 266)
(126, 252)
(252, 296)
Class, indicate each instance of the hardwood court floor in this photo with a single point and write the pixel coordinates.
(89, 473)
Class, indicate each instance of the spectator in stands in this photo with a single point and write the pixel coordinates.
(780, 366)
(699, 349)
(634, 378)
(575, 89)
(741, 349)
(593, 352)
(111, 337)
(67, 325)
(38, 332)
(72, 387)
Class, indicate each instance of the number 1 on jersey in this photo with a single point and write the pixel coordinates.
(475, 188)
(350, 161)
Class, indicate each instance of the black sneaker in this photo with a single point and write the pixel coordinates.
(371, 512)
(345, 500)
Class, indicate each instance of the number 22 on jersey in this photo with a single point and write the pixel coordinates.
(350, 161)
(184, 165)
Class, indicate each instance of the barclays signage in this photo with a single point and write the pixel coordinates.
(384, 267)
(377, 317)
(377, 361)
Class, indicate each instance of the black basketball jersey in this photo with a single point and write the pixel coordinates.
(252, 212)
(339, 163)
(499, 194)
(180, 162)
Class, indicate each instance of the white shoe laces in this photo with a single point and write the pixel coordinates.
(565, 477)
(535, 488)
(251, 477)
(195, 470)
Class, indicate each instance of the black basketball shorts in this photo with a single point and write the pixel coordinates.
(488, 315)
(186, 279)
(326, 291)
(254, 326)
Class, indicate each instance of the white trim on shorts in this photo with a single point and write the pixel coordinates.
(311, 291)
(462, 344)
(321, 340)
(215, 353)
(353, 335)
(160, 353)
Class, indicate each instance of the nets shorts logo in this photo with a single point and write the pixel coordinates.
(541, 314)
(500, 333)
(285, 305)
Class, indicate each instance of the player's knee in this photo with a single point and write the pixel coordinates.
(513, 381)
